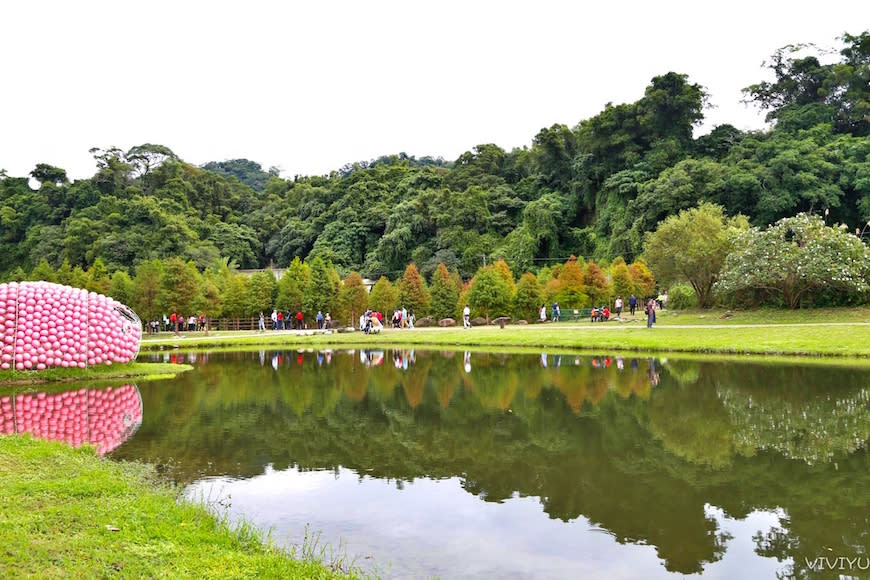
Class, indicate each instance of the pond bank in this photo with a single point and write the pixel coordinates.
(840, 339)
(67, 512)
(134, 370)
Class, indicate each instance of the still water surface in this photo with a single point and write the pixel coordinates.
(418, 464)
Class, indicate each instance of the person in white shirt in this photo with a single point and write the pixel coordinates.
(543, 313)
(466, 315)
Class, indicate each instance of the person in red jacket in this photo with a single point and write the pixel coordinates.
(299, 320)
(280, 321)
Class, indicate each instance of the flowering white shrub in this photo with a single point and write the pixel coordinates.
(794, 257)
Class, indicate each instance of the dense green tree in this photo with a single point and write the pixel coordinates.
(692, 247)
(319, 292)
(237, 300)
(620, 278)
(806, 88)
(210, 303)
(291, 286)
(179, 286)
(79, 278)
(147, 285)
(445, 293)
(42, 271)
(98, 277)
(490, 294)
(383, 297)
(121, 287)
(507, 275)
(264, 291)
(529, 297)
(64, 273)
(48, 174)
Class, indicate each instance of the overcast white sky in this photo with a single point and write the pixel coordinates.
(311, 86)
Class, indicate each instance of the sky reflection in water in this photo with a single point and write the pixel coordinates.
(485, 465)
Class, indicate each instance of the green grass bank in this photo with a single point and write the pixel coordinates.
(67, 513)
(829, 333)
(133, 370)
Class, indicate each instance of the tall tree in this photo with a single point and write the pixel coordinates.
(620, 278)
(596, 284)
(180, 286)
(98, 277)
(692, 247)
(529, 297)
(383, 297)
(264, 290)
(147, 285)
(642, 278)
(121, 287)
(318, 294)
(445, 293)
(412, 291)
(353, 298)
(291, 286)
(572, 287)
(490, 294)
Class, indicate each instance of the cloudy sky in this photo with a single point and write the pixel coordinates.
(308, 87)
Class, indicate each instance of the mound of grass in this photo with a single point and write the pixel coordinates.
(68, 513)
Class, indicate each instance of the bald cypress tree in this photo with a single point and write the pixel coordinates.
(412, 291)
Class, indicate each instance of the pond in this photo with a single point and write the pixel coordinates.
(415, 464)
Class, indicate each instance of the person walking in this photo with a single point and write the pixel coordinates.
(299, 320)
(466, 317)
(632, 303)
(618, 306)
(543, 313)
(556, 312)
(650, 313)
(319, 319)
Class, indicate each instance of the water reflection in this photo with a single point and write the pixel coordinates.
(104, 418)
(672, 456)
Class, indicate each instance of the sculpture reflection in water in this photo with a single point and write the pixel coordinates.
(104, 418)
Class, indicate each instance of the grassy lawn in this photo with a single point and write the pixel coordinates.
(144, 371)
(833, 332)
(68, 513)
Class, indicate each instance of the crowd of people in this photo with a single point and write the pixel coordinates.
(176, 323)
(373, 322)
(280, 320)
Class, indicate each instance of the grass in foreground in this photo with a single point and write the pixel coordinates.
(145, 371)
(68, 513)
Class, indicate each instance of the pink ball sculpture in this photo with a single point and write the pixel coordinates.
(104, 418)
(45, 325)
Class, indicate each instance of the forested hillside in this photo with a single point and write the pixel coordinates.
(592, 189)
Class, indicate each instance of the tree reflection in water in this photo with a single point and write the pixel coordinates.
(640, 447)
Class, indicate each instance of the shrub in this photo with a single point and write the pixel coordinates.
(682, 296)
